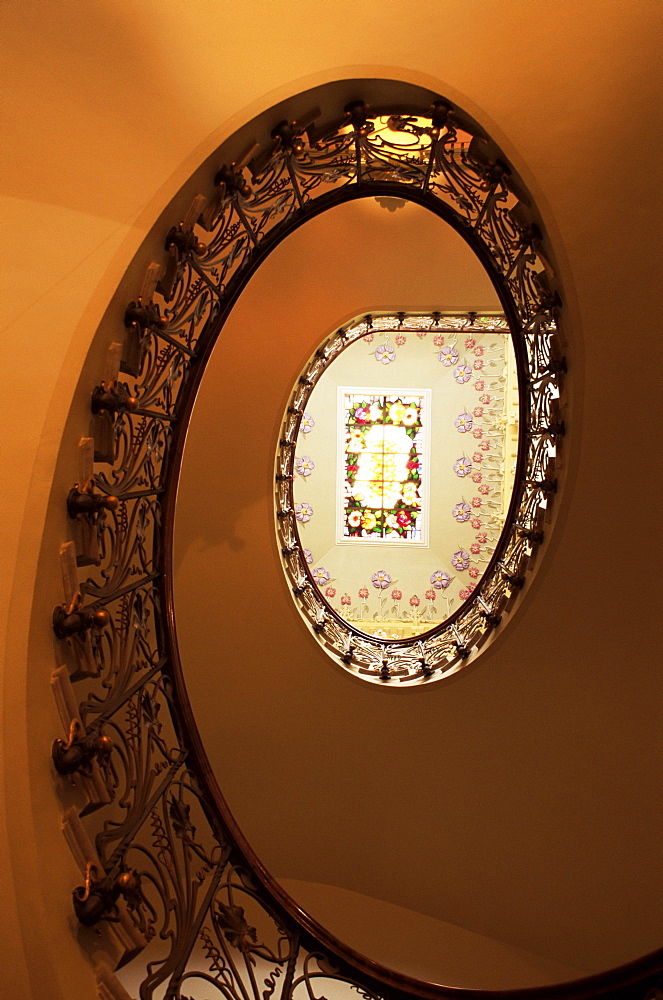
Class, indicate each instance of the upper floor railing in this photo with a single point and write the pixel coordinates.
(166, 873)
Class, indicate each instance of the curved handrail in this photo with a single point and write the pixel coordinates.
(170, 863)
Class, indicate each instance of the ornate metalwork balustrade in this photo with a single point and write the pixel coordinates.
(165, 871)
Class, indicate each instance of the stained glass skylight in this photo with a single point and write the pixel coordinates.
(403, 469)
(383, 465)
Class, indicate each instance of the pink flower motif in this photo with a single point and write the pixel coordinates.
(473, 572)
(369, 338)
(475, 548)
(469, 343)
(485, 445)
(414, 601)
(478, 411)
(363, 593)
(484, 489)
(476, 523)
(478, 385)
(400, 339)
(478, 365)
(421, 334)
(477, 433)
(346, 599)
(396, 595)
(438, 340)
(484, 399)
(471, 587)
(464, 594)
(478, 351)
(477, 477)
(476, 501)
(430, 595)
(477, 457)
(330, 592)
(482, 537)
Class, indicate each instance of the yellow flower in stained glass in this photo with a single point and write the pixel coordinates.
(355, 442)
(368, 521)
(409, 494)
(396, 411)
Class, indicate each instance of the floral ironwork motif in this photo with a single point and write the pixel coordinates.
(167, 874)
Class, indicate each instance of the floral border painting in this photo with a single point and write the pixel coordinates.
(389, 455)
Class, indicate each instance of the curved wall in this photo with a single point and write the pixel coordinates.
(110, 107)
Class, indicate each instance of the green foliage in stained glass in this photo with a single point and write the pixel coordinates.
(383, 466)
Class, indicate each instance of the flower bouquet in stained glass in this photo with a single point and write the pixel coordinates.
(383, 460)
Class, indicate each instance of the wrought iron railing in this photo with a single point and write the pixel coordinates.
(166, 872)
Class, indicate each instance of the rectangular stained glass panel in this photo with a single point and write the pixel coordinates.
(383, 465)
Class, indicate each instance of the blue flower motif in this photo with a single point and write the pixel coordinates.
(462, 511)
(385, 354)
(463, 422)
(448, 356)
(463, 373)
(320, 575)
(304, 466)
(460, 559)
(303, 512)
(462, 466)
